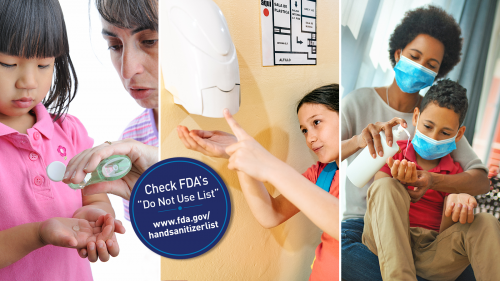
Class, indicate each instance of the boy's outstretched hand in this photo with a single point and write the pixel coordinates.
(460, 207)
(404, 171)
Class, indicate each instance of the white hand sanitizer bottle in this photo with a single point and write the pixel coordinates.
(364, 167)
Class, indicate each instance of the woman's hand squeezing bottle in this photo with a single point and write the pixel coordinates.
(370, 136)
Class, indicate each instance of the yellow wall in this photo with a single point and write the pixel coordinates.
(269, 96)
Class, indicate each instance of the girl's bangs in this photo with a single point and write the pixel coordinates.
(32, 29)
(327, 95)
(129, 13)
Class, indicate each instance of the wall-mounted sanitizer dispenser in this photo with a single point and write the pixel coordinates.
(198, 57)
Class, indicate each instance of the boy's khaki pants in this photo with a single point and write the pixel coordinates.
(405, 251)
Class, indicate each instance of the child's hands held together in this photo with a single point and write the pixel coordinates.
(404, 171)
(460, 207)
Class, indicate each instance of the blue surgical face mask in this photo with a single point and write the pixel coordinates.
(412, 77)
(431, 149)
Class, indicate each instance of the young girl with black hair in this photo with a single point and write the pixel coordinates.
(40, 219)
(315, 192)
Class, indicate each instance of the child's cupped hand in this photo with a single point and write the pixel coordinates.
(247, 155)
(104, 244)
(210, 143)
(404, 171)
(68, 232)
(460, 207)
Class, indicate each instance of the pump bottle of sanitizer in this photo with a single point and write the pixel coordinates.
(109, 169)
(364, 167)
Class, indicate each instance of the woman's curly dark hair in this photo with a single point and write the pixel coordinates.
(432, 21)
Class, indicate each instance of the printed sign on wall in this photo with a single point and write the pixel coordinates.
(288, 32)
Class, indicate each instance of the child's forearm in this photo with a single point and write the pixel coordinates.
(99, 201)
(320, 207)
(18, 241)
(268, 211)
(105, 206)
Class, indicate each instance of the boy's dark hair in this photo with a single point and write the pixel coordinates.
(327, 95)
(137, 14)
(449, 94)
(36, 29)
(432, 21)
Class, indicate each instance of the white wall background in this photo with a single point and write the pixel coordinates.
(105, 109)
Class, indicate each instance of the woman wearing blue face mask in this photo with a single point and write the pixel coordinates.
(426, 45)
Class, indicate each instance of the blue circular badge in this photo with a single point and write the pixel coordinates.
(180, 208)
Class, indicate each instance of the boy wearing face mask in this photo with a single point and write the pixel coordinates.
(422, 238)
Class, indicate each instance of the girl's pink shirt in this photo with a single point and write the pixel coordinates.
(27, 195)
